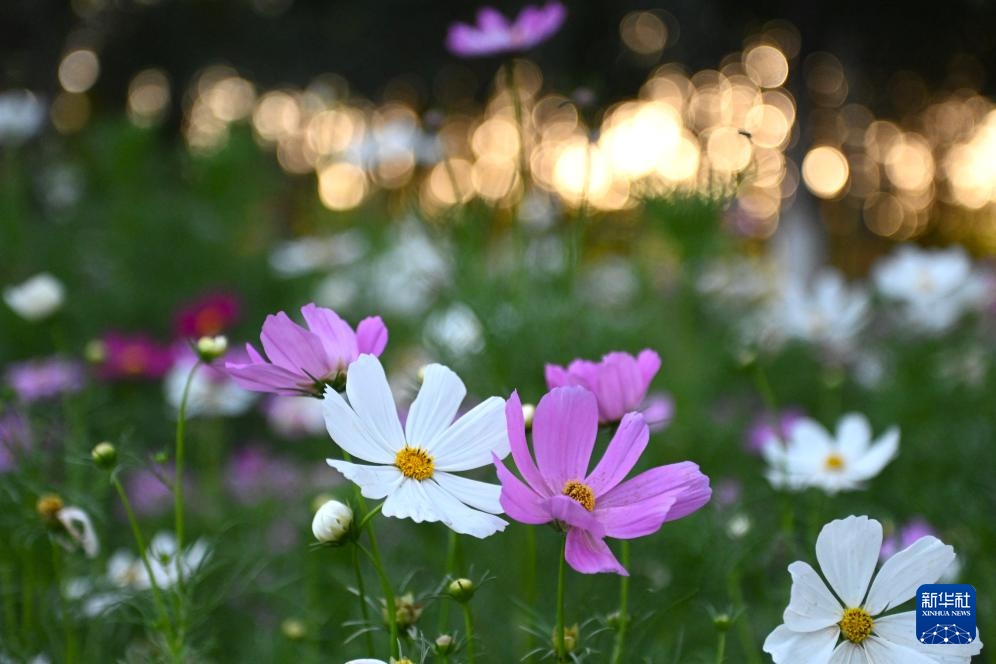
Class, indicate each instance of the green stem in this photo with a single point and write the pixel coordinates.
(181, 418)
(136, 532)
(764, 387)
(10, 619)
(529, 578)
(68, 633)
(392, 613)
(721, 648)
(561, 646)
(444, 609)
(468, 626)
(364, 609)
(620, 644)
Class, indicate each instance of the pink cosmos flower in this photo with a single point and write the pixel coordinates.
(131, 356)
(619, 381)
(591, 506)
(208, 315)
(254, 475)
(658, 411)
(493, 33)
(905, 536)
(303, 361)
(34, 380)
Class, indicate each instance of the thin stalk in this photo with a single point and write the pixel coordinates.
(468, 626)
(529, 578)
(136, 532)
(561, 645)
(69, 635)
(620, 644)
(392, 613)
(364, 609)
(721, 648)
(764, 387)
(181, 419)
(444, 608)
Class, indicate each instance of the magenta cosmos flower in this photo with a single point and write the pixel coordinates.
(591, 506)
(619, 382)
(303, 361)
(208, 315)
(494, 34)
(124, 356)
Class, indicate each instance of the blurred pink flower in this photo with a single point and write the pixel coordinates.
(303, 361)
(133, 356)
(207, 315)
(910, 532)
(591, 506)
(772, 426)
(293, 418)
(15, 436)
(619, 382)
(493, 33)
(148, 490)
(38, 379)
(254, 475)
(657, 410)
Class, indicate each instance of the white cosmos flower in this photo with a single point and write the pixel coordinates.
(826, 311)
(37, 298)
(414, 467)
(844, 619)
(934, 288)
(812, 457)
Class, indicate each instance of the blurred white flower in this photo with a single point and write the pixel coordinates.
(934, 288)
(294, 417)
(168, 567)
(812, 457)
(37, 298)
(825, 311)
(610, 284)
(336, 292)
(332, 521)
(21, 116)
(212, 392)
(77, 525)
(739, 280)
(296, 257)
(841, 619)
(456, 329)
(405, 278)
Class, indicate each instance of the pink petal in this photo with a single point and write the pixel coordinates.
(590, 555)
(520, 449)
(564, 431)
(682, 481)
(254, 355)
(570, 512)
(620, 387)
(636, 520)
(371, 336)
(556, 376)
(337, 337)
(290, 346)
(623, 452)
(267, 378)
(518, 500)
(649, 363)
(490, 19)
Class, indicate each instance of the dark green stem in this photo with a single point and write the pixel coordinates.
(620, 644)
(392, 612)
(560, 641)
(468, 626)
(364, 609)
(181, 419)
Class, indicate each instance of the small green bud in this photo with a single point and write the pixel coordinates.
(444, 644)
(462, 590)
(95, 351)
(211, 348)
(572, 636)
(722, 621)
(294, 629)
(105, 455)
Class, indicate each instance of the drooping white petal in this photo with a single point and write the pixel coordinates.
(882, 651)
(470, 441)
(350, 433)
(788, 647)
(458, 516)
(479, 495)
(435, 406)
(922, 562)
(375, 482)
(848, 550)
(900, 628)
(409, 501)
(370, 396)
(877, 457)
(812, 606)
(848, 653)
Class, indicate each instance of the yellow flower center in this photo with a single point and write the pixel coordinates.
(834, 462)
(856, 625)
(414, 462)
(580, 493)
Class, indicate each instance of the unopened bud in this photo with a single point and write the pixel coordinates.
(528, 412)
(48, 506)
(406, 611)
(211, 348)
(444, 644)
(105, 455)
(332, 522)
(571, 637)
(462, 590)
(722, 621)
(95, 351)
(293, 629)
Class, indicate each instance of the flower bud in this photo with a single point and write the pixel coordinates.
(571, 637)
(528, 412)
(722, 621)
(462, 590)
(406, 611)
(444, 644)
(332, 522)
(48, 507)
(293, 629)
(105, 455)
(95, 351)
(211, 348)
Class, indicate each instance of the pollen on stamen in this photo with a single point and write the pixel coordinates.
(415, 463)
(856, 625)
(580, 493)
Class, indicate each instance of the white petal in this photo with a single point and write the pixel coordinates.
(470, 441)
(809, 439)
(479, 495)
(923, 561)
(853, 435)
(877, 457)
(788, 647)
(847, 550)
(435, 406)
(375, 482)
(849, 653)
(881, 651)
(812, 606)
(458, 516)
(371, 398)
(349, 433)
(900, 628)
(409, 501)
(77, 523)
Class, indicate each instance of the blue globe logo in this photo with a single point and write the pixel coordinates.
(942, 634)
